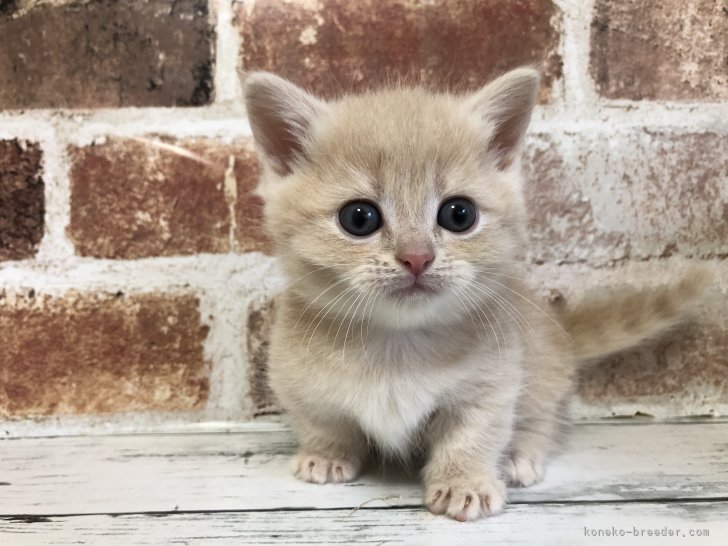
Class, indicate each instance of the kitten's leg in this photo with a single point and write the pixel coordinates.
(328, 453)
(532, 440)
(539, 414)
(461, 474)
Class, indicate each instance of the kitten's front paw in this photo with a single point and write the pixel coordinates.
(522, 470)
(317, 469)
(465, 500)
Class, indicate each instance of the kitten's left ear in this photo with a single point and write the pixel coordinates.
(281, 116)
(505, 107)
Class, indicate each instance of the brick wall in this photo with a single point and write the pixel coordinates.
(135, 282)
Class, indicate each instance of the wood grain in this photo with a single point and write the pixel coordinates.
(520, 524)
(235, 488)
(249, 470)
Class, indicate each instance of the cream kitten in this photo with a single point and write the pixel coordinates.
(398, 216)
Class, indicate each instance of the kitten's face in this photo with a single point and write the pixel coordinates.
(398, 206)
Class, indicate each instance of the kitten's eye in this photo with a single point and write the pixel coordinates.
(360, 218)
(457, 214)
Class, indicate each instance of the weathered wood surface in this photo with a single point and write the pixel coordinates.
(543, 524)
(249, 470)
(236, 488)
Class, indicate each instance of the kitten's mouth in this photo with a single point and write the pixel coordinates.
(414, 289)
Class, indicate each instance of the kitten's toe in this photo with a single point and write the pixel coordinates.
(522, 470)
(437, 498)
(464, 501)
(317, 469)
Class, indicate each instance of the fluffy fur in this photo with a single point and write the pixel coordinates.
(472, 374)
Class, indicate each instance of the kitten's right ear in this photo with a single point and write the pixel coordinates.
(280, 116)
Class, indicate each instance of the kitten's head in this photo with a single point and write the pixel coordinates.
(398, 205)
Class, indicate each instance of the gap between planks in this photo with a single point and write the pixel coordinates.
(519, 524)
(249, 470)
(276, 422)
(219, 489)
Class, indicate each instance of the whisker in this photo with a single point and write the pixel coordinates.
(499, 274)
(369, 318)
(291, 283)
(325, 310)
(321, 294)
(469, 288)
(356, 294)
(501, 301)
(495, 334)
(513, 313)
(351, 320)
(536, 306)
(372, 298)
(466, 307)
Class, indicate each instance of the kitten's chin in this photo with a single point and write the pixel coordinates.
(416, 306)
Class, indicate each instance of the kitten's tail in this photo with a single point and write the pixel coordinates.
(610, 321)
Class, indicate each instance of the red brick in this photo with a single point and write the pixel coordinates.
(598, 198)
(99, 353)
(337, 45)
(102, 53)
(22, 201)
(134, 199)
(660, 49)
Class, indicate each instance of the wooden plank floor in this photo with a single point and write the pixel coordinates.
(235, 488)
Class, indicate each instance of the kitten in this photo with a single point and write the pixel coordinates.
(398, 216)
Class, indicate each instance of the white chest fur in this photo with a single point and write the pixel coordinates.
(393, 399)
(391, 410)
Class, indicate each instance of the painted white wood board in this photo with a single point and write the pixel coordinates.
(543, 524)
(248, 470)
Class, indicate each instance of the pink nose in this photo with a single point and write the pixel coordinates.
(416, 262)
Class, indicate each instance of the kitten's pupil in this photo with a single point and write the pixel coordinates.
(457, 214)
(360, 218)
